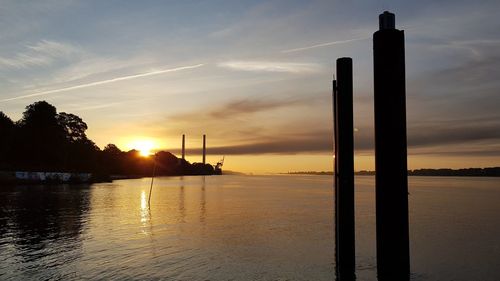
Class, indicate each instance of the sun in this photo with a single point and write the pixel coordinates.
(143, 146)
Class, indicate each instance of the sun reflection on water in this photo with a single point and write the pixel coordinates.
(145, 214)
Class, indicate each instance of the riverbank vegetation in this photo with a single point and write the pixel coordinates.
(45, 140)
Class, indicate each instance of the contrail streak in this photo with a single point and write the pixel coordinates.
(324, 45)
(91, 84)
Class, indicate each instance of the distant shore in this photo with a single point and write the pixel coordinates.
(444, 172)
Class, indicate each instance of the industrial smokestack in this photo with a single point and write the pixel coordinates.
(391, 180)
(183, 147)
(204, 148)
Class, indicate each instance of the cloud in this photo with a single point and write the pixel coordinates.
(472, 74)
(478, 48)
(99, 106)
(102, 82)
(97, 66)
(251, 120)
(239, 120)
(454, 132)
(480, 142)
(270, 66)
(43, 53)
(468, 88)
(241, 107)
(454, 151)
(442, 137)
(324, 45)
(249, 106)
(312, 144)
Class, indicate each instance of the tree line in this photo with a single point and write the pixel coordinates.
(48, 141)
(445, 172)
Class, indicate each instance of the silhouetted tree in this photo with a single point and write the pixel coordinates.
(201, 169)
(77, 144)
(40, 113)
(5, 123)
(112, 149)
(7, 128)
(41, 137)
(111, 157)
(73, 126)
(167, 163)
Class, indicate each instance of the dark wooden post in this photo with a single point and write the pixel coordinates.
(393, 254)
(344, 170)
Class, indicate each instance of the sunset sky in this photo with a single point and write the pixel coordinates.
(255, 76)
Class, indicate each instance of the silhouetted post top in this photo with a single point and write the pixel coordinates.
(386, 20)
(344, 59)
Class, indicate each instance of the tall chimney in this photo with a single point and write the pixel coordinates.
(204, 148)
(183, 147)
(344, 170)
(391, 180)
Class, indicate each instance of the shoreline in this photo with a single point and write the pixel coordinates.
(444, 172)
(54, 178)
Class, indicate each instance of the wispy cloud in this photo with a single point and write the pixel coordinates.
(454, 132)
(323, 45)
(43, 53)
(295, 145)
(249, 106)
(102, 82)
(270, 66)
(440, 136)
(431, 139)
(240, 107)
(99, 106)
(254, 124)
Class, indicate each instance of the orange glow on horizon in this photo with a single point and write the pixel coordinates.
(144, 146)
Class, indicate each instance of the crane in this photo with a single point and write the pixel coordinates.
(218, 166)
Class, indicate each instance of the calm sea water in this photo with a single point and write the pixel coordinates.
(237, 228)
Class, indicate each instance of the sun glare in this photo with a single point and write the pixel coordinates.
(143, 146)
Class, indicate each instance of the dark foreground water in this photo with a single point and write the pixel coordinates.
(237, 228)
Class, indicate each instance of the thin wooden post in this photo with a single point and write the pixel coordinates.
(152, 180)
